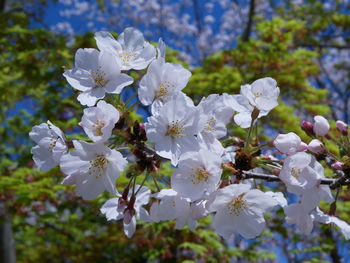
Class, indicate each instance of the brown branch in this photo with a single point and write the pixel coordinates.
(273, 178)
(249, 26)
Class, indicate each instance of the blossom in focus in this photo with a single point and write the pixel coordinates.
(305, 181)
(98, 122)
(197, 173)
(173, 128)
(130, 50)
(96, 73)
(113, 211)
(296, 171)
(161, 82)
(240, 209)
(262, 93)
(51, 145)
(215, 114)
(93, 168)
(321, 125)
(297, 214)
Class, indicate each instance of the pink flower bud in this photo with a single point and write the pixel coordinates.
(128, 214)
(302, 147)
(121, 204)
(287, 143)
(321, 126)
(308, 128)
(343, 127)
(315, 146)
(337, 165)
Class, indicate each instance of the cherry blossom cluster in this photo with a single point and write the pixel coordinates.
(207, 178)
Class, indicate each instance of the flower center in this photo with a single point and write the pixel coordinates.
(175, 130)
(199, 175)
(210, 125)
(295, 172)
(165, 88)
(53, 143)
(98, 128)
(127, 57)
(99, 77)
(98, 166)
(237, 205)
(257, 94)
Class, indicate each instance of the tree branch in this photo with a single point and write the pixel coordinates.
(249, 26)
(273, 178)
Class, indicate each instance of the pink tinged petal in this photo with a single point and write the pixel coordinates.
(116, 84)
(129, 229)
(316, 146)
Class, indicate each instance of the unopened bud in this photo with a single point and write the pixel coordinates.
(307, 127)
(128, 214)
(337, 165)
(302, 147)
(342, 127)
(316, 146)
(121, 204)
(321, 125)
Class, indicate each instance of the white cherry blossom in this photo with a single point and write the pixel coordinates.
(131, 50)
(51, 145)
(215, 114)
(297, 171)
(305, 181)
(172, 206)
(240, 209)
(197, 173)
(96, 73)
(173, 129)
(93, 168)
(262, 93)
(98, 122)
(161, 82)
(244, 110)
(112, 210)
